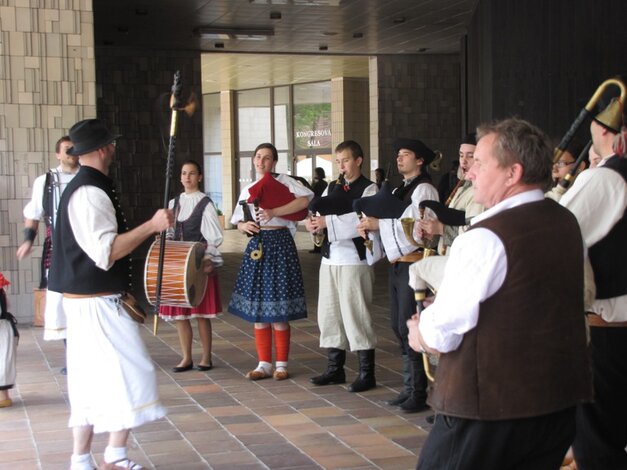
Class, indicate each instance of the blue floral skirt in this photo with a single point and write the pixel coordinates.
(270, 289)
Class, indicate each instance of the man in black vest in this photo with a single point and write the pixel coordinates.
(412, 160)
(598, 198)
(346, 280)
(111, 379)
(508, 318)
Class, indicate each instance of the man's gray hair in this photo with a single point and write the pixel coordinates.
(518, 141)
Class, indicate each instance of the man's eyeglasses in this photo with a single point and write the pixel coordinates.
(562, 164)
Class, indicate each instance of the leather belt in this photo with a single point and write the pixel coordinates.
(88, 296)
(597, 321)
(410, 258)
(272, 227)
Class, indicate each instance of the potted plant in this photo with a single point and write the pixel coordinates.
(220, 217)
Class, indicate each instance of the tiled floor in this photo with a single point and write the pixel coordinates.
(220, 420)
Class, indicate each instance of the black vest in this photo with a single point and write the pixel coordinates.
(72, 271)
(47, 199)
(404, 193)
(355, 191)
(188, 230)
(609, 255)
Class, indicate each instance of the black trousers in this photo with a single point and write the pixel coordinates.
(402, 306)
(602, 426)
(537, 443)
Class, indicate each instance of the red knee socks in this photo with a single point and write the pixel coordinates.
(282, 345)
(263, 341)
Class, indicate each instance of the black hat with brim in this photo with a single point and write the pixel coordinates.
(416, 146)
(89, 135)
(470, 139)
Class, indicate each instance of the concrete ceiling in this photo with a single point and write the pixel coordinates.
(316, 37)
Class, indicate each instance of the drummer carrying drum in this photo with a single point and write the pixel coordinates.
(196, 221)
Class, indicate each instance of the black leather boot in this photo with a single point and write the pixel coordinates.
(365, 380)
(406, 392)
(335, 369)
(417, 400)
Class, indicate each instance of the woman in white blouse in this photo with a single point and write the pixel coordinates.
(197, 221)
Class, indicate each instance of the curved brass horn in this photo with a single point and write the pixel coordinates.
(435, 164)
(610, 117)
(408, 230)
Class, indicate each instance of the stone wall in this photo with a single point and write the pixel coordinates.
(47, 83)
(415, 97)
(350, 116)
(133, 99)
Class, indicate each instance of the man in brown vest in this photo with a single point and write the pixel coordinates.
(508, 318)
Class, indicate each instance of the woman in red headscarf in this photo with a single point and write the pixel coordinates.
(269, 289)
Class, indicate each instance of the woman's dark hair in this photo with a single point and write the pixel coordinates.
(192, 162)
(198, 167)
(267, 145)
(320, 174)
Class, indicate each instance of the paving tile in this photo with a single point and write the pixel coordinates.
(396, 463)
(341, 461)
(219, 420)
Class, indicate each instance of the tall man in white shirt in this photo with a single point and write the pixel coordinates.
(598, 198)
(111, 379)
(412, 160)
(346, 280)
(508, 318)
(47, 190)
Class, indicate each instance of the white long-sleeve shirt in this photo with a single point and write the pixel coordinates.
(209, 227)
(34, 209)
(393, 238)
(341, 230)
(93, 222)
(475, 270)
(598, 199)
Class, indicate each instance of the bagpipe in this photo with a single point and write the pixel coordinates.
(271, 194)
(338, 201)
(268, 193)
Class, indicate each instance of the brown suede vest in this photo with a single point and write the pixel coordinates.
(527, 356)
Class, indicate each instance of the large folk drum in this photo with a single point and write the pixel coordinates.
(183, 282)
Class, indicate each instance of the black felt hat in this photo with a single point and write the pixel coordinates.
(89, 135)
(470, 139)
(416, 146)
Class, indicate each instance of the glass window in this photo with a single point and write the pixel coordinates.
(284, 165)
(282, 119)
(213, 178)
(312, 116)
(253, 118)
(245, 172)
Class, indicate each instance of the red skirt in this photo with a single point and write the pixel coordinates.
(209, 307)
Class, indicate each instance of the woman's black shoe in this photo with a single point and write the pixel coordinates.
(205, 368)
(177, 369)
